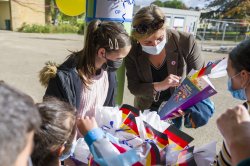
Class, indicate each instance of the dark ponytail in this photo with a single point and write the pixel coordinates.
(99, 34)
(86, 64)
(240, 56)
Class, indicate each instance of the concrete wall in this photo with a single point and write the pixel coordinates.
(4, 13)
(27, 11)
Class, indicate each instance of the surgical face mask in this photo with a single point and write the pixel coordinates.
(239, 93)
(30, 162)
(155, 50)
(69, 153)
(113, 65)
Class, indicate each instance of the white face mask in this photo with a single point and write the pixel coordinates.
(155, 50)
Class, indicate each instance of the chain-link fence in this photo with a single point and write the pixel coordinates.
(222, 35)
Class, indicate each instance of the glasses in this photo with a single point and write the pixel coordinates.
(155, 25)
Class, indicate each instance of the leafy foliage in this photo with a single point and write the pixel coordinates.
(177, 4)
(158, 3)
(228, 9)
(63, 28)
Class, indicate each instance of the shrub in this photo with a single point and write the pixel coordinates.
(62, 28)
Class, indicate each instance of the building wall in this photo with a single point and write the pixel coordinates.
(4, 13)
(181, 20)
(27, 11)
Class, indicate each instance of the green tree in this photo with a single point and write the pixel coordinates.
(177, 4)
(158, 3)
(233, 9)
(48, 14)
(51, 12)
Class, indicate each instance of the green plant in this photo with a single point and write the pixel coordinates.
(62, 28)
(81, 27)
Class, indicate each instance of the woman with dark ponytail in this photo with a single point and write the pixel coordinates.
(234, 149)
(87, 78)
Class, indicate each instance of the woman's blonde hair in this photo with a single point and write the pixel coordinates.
(146, 15)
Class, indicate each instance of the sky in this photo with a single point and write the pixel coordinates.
(189, 3)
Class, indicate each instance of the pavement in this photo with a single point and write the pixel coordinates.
(23, 55)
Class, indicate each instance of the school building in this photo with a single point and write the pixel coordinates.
(14, 13)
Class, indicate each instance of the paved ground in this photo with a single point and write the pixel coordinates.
(23, 55)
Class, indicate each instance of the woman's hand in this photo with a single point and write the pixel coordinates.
(177, 114)
(234, 125)
(170, 81)
(86, 124)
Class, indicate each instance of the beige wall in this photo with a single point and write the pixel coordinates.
(27, 11)
(4, 13)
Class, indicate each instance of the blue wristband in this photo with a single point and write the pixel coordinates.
(93, 135)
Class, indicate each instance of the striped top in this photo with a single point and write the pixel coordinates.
(95, 95)
(224, 157)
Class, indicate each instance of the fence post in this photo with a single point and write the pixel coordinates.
(224, 31)
(247, 32)
(204, 34)
(204, 31)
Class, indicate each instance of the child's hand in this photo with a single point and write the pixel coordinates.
(86, 124)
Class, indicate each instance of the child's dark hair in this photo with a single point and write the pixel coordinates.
(18, 118)
(57, 128)
(240, 56)
(99, 35)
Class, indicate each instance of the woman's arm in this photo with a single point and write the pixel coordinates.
(199, 114)
(136, 86)
(192, 53)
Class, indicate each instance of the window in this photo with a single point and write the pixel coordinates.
(178, 23)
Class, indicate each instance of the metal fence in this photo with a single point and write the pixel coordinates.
(222, 35)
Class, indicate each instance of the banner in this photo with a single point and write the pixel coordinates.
(111, 10)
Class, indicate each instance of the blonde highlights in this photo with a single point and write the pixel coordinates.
(147, 15)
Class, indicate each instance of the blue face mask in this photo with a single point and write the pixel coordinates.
(69, 153)
(30, 162)
(239, 93)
